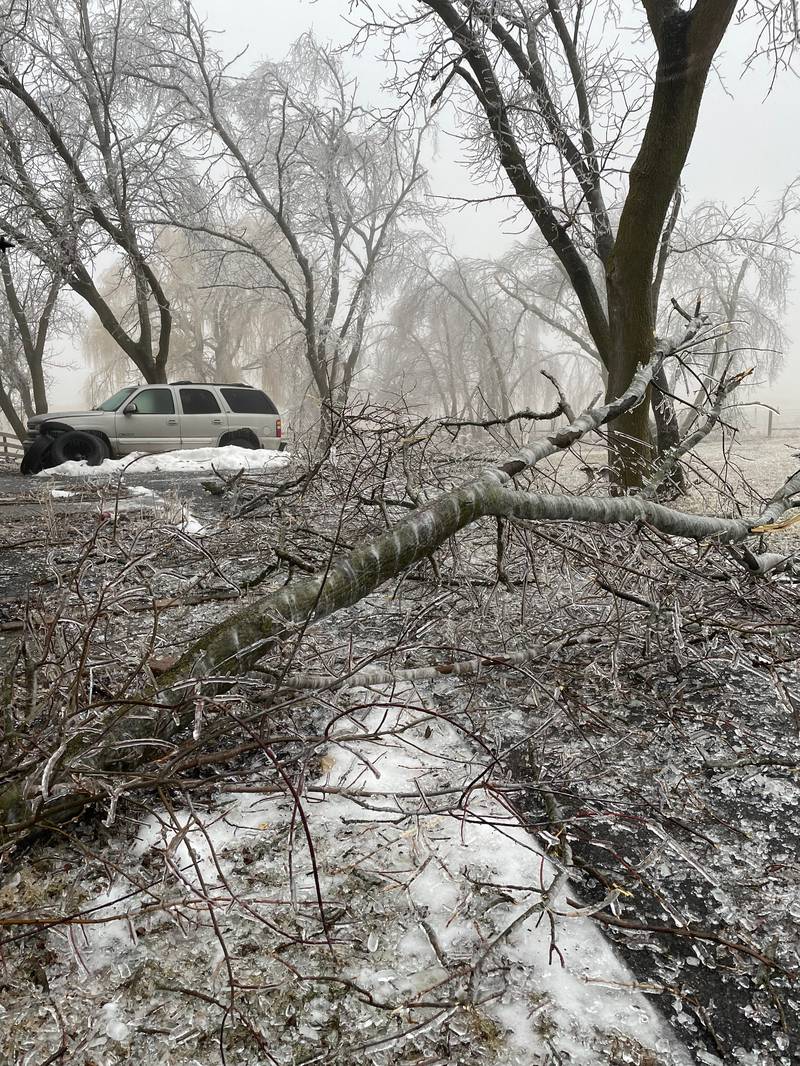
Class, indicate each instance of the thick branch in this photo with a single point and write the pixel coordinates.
(513, 162)
(239, 642)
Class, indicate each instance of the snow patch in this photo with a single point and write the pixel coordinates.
(191, 461)
(443, 934)
(187, 523)
(575, 999)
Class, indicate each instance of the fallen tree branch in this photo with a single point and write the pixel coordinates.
(115, 739)
(242, 640)
(460, 668)
(685, 932)
(526, 415)
(670, 460)
(609, 510)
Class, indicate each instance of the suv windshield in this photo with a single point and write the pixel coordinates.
(116, 399)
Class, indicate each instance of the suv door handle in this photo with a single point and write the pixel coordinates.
(217, 421)
(172, 421)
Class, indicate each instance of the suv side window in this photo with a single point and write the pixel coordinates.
(199, 402)
(154, 402)
(249, 401)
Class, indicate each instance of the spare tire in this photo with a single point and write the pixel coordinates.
(36, 456)
(74, 446)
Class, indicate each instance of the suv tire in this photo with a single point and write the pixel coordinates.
(36, 456)
(75, 446)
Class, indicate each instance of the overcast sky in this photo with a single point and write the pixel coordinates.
(746, 139)
(746, 142)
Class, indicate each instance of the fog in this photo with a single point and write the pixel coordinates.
(743, 149)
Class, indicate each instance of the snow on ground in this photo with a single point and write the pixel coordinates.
(191, 461)
(446, 946)
(425, 873)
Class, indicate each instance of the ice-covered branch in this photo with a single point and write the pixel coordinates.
(243, 639)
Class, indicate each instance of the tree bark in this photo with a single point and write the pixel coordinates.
(38, 386)
(668, 436)
(10, 412)
(686, 42)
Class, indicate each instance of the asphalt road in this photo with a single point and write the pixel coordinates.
(22, 495)
(30, 513)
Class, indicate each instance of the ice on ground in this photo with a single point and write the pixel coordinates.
(188, 523)
(115, 1028)
(229, 459)
(137, 497)
(447, 946)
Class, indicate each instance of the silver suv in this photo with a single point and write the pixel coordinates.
(155, 418)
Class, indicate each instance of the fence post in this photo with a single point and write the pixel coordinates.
(769, 423)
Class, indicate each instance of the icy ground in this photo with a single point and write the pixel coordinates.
(230, 459)
(188, 929)
(448, 937)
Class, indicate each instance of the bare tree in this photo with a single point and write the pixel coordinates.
(542, 95)
(736, 262)
(220, 325)
(740, 261)
(308, 189)
(29, 315)
(84, 152)
(460, 338)
(427, 355)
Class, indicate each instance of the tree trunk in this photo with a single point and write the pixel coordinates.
(38, 386)
(154, 374)
(687, 42)
(10, 412)
(629, 444)
(668, 435)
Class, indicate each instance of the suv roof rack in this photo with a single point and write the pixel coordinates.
(219, 384)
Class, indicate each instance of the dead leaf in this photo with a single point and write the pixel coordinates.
(160, 665)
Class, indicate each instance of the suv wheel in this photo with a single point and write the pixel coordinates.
(77, 446)
(36, 456)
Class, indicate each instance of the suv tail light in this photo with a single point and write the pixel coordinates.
(278, 428)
